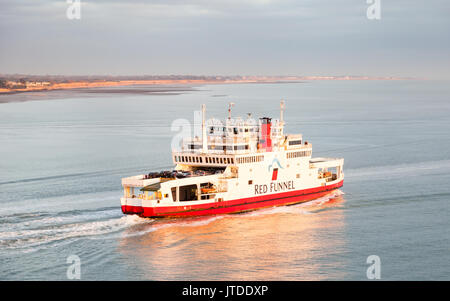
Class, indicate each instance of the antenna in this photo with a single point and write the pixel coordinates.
(231, 104)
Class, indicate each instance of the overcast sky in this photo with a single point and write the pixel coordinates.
(226, 37)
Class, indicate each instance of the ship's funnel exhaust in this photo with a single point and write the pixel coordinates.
(266, 137)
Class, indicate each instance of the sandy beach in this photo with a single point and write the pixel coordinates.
(123, 83)
(153, 87)
(59, 90)
(187, 81)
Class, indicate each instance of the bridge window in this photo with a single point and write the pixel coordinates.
(295, 142)
(241, 147)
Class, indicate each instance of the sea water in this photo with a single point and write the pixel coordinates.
(63, 155)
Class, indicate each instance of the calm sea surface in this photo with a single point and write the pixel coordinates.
(62, 158)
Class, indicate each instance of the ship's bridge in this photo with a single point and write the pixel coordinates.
(243, 147)
(236, 140)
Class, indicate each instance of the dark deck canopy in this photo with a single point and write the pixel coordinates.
(155, 186)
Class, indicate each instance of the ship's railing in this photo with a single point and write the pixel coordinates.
(151, 196)
(144, 196)
(232, 147)
(220, 144)
(325, 162)
(197, 159)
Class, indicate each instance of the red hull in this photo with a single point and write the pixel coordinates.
(234, 206)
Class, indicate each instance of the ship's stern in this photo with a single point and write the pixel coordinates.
(131, 205)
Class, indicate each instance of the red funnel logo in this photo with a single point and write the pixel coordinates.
(274, 174)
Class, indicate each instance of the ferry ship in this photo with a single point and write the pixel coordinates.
(235, 166)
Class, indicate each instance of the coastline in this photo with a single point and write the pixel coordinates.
(166, 86)
(102, 84)
(187, 81)
(91, 91)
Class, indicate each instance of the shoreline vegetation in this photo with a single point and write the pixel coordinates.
(17, 83)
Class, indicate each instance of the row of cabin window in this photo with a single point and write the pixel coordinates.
(214, 160)
(217, 147)
(219, 160)
(250, 159)
(228, 147)
(234, 130)
(240, 130)
(298, 154)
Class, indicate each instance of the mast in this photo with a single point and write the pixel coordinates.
(204, 137)
(229, 109)
(282, 116)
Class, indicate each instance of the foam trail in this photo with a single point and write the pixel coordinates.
(29, 240)
(182, 222)
(303, 208)
(48, 231)
(33, 239)
(32, 221)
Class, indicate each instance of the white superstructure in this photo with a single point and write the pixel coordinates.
(236, 165)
